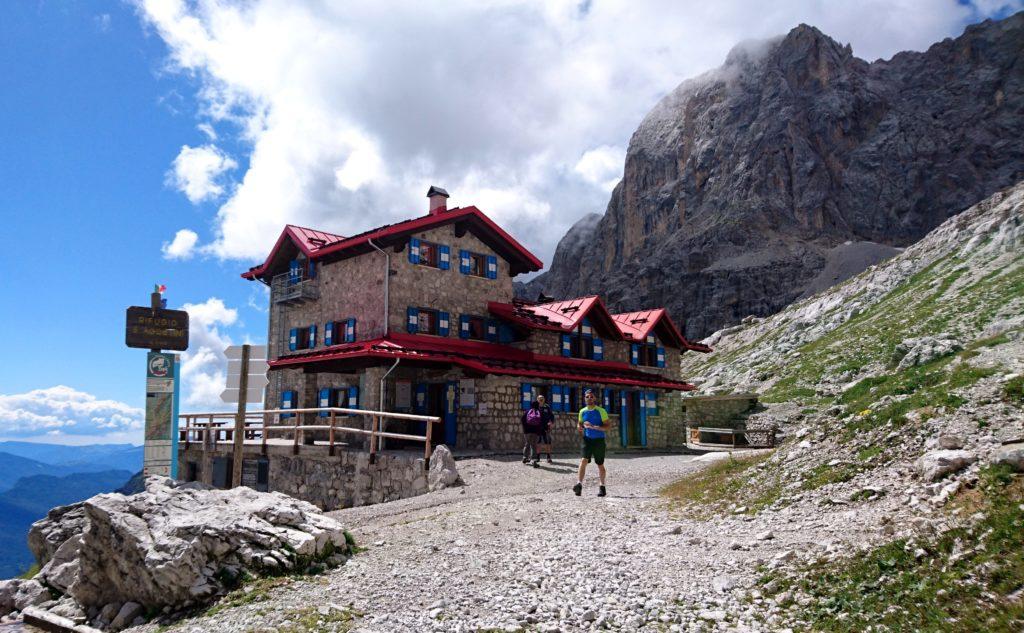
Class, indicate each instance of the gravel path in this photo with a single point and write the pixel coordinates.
(514, 549)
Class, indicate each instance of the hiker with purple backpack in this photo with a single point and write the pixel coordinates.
(533, 428)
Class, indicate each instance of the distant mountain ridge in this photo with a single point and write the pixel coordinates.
(65, 460)
(32, 497)
(740, 185)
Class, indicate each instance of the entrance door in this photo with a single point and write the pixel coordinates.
(637, 416)
(451, 412)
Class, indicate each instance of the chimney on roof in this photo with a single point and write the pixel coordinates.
(438, 200)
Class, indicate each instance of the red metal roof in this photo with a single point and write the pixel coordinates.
(560, 316)
(493, 235)
(635, 326)
(485, 358)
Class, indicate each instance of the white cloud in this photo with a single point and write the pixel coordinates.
(196, 172)
(602, 166)
(204, 366)
(63, 410)
(182, 246)
(351, 109)
(102, 22)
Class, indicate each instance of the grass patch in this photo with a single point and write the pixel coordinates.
(707, 492)
(958, 582)
(256, 591)
(311, 619)
(824, 475)
(865, 454)
(30, 572)
(1013, 390)
(929, 385)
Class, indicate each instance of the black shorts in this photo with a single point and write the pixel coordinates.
(593, 448)
(545, 438)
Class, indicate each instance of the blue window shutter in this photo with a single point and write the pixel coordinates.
(463, 326)
(350, 331)
(634, 354)
(464, 262)
(414, 250)
(444, 257)
(412, 320)
(312, 269)
(607, 399)
(287, 402)
(566, 345)
(442, 324)
(329, 333)
(598, 349)
(661, 357)
(526, 389)
(492, 267)
(353, 397)
(586, 329)
(324, 401)
(312, 336)
(420, 405)
(492, 330)
(294, 271)
(652, 403)
(293, 339)
(556, 397)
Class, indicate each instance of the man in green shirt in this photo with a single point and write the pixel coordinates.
(592, 424)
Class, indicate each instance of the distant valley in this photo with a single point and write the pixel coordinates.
(37, 477)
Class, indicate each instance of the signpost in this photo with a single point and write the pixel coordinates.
(157, 328)
(247, 376)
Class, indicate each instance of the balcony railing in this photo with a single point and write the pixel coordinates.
(287, 288)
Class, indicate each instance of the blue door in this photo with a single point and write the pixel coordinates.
(451, 408)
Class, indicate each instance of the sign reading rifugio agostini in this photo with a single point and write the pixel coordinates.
(156, 328)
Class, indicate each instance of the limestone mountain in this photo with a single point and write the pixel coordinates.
(794, 166)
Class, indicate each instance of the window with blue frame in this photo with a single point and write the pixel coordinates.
(649, 353)
(582, 343)
(289, 400)
(429, 254)
(344, 397)
(343, 331)
(300, 338)
(478, 328)
(478, 264)
(426, 321)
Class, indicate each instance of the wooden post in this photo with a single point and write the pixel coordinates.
(239, 435)
(373, 439)
(263, 440)
(426, 448)
(208, 452)
(295, 427)
(331, 450)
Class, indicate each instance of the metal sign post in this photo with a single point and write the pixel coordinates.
(155, 327)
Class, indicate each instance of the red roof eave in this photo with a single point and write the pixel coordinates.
(530, 261)
(489, 360)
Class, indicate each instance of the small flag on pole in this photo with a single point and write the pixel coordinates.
(159, 288)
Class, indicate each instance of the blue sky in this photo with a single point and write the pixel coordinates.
(337, 117)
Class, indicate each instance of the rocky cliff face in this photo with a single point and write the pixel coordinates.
(744, 184)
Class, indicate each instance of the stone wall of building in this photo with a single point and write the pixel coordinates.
(343, 480)
(717, 411)
(446, 290)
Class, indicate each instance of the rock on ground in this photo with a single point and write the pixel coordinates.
(49, 533)
(174, 545)
(443, 471)
(937, 464)
(1012, 455)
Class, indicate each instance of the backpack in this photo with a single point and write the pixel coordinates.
(533, 418)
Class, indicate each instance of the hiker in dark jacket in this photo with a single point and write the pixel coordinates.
(548, 418)
(533, 427)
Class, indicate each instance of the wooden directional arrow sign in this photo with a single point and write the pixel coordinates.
(234, 352)
(256, 381)
(256, 367)
(251, 395)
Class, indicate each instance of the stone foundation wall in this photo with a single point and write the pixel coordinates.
(717, 411)
(343, 480)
